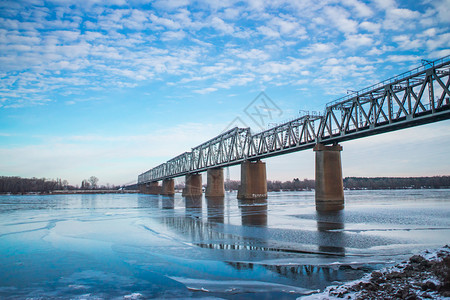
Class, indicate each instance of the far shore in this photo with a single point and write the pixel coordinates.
(72, 192)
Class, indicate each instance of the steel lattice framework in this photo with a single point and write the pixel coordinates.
(413, 98)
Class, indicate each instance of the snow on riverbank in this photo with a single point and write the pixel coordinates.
(424, 276)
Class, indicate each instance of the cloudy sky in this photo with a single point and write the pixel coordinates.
(113, 88)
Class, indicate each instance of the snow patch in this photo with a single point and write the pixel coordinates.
(133, 296)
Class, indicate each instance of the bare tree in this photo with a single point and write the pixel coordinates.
(94, 181)
(85, 185)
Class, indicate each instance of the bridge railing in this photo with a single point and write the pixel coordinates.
(419, 94)
(228, 147)
(393, 79)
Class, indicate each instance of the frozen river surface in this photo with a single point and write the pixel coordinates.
(135, 246)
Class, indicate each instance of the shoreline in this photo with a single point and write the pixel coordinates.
(72, 192)
(423, 276)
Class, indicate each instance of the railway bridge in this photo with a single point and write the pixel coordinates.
(413, 98)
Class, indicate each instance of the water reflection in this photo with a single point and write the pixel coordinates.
(191, 224)
(210, 233)
(168, 202)
(216, 209)
(89, 201)
(253, 212)
(330, 225)
(148, 201)
(309, 275)
(193, 206)
(252, 241)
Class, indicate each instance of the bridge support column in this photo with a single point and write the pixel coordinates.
(253, 180)
(329, 183)
(153, 188)
(168, 187)
(193, 185)
(142, 188)
(215, 185)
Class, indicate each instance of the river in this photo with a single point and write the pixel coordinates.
(135, 246)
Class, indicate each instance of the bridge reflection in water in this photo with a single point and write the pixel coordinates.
(252, 244)
(330, 224)
(215, 209)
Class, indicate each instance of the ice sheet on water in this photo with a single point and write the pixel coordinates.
(238, 286)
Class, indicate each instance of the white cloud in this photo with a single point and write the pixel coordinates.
(442, 8)
(358, 40)
(370, 26)
(440, 41)
(170, 5)
(439, 53)
(268, 32)
(379, 51)
(287, 27)
(257, 5)
(231, 13)
(385, 4)
(431, 32)
(205, 90)
(197, 42)
(399, 19)
(405, 42)
(253, 54)
(167, 23)
(137, 20)
(221, 25)
(403, 58)
(360, 8)
(173, 35)
(340, 18)
(318, 48)
(236, 81)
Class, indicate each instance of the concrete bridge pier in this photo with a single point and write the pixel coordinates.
(153, 188)
(142, 188)
(215, 184)
(193, 185)
(329, 183)
(253, 180)
(168, 187)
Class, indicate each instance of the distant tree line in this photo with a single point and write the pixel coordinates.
(273, 186)
(18, 185)
(294, 185)
(357, 183)
(382, 183)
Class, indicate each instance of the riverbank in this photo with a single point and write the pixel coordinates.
(423, 276)
(76, 192)
(70, 192)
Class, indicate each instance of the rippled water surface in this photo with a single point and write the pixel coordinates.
(143, 246)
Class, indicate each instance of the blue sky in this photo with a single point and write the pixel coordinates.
(113, 88)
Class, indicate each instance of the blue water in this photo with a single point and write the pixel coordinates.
(135, 246)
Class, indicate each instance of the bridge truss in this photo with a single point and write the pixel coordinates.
(413, 98)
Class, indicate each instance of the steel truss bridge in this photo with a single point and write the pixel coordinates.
(413, 98)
